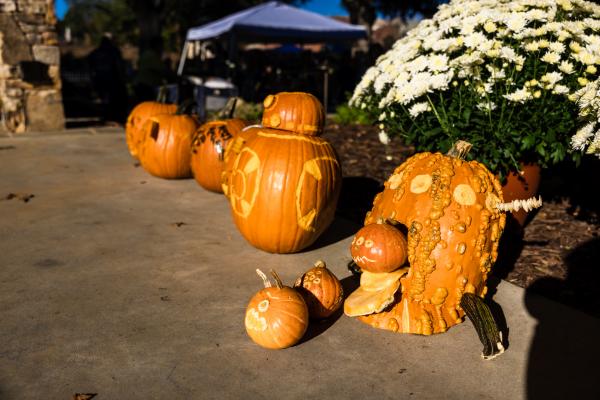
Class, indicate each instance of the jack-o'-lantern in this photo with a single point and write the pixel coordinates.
(294, 111)
(276, 317)
(283, 189)
(321, 290)
(208, 151)
(454, 214)
(166, 149)
(379, 247)
(138, 117)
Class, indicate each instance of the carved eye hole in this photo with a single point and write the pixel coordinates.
(368, 243)
(360, 241)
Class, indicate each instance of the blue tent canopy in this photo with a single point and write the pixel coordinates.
(278, 21)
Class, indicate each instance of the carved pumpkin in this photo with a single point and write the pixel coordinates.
(208, 151)
(283, 189)
(294, 111)
(134, 133)
(321, 290)
(166, 149)
(276, 317)
(233, 148)
(379, 247)
(454, 226)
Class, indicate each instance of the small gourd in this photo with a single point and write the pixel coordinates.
(379, 247)
(276, 317)
(321, 290)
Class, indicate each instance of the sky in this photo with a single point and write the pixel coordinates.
(325, 7)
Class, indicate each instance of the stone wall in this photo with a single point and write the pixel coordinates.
(30, 86)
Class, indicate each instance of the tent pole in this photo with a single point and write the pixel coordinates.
(184, 52)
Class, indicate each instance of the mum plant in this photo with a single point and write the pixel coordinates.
(517, 79)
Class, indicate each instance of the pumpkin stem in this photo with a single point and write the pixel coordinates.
(277, 279)
(460, 149)
(480, 315)
(161, 97)
(516, 205)
(232, 109)
(185, 107)
(266, 281)
(320, 264)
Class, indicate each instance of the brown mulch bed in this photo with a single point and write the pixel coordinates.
(556, 255)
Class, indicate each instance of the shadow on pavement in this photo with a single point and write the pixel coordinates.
(564, 353)
(315, 328)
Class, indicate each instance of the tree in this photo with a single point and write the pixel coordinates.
(364, 12)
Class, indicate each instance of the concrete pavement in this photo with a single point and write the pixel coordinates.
(118, 283)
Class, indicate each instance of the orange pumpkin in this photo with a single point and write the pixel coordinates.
(283, 189)
(379, 247)
(233, 148)
(454, 225)
(294, 111)
(134, 133)
(321, 290)
(166, 149)
(208, 151)
(276, 317)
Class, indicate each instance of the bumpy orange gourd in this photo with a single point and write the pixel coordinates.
(454, 226)
(294, 111)
(379, 247)
(321, 290)
(166, 149)
(208, 151)
(276, 317)
(283, 189)
(134, 133)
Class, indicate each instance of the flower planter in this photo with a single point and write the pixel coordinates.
(522, 186)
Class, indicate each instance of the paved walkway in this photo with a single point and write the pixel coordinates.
(117, 283)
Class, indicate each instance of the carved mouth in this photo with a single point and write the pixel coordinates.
(362, 259)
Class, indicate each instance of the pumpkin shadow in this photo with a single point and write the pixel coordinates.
(509, 250)
(317, 327)
(564, 353)
(356, 199)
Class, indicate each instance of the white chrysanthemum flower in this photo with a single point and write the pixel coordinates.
(516, 22)
(384, 138)
(419, 108)
(438, 63)
(519, 96)
(551, 78)
(551, 57)
(581, 139)
(381, 116)
(594, 147)
(566, 67)
(531, 46)
(486, 106)
(557, 47)
(560, 89)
